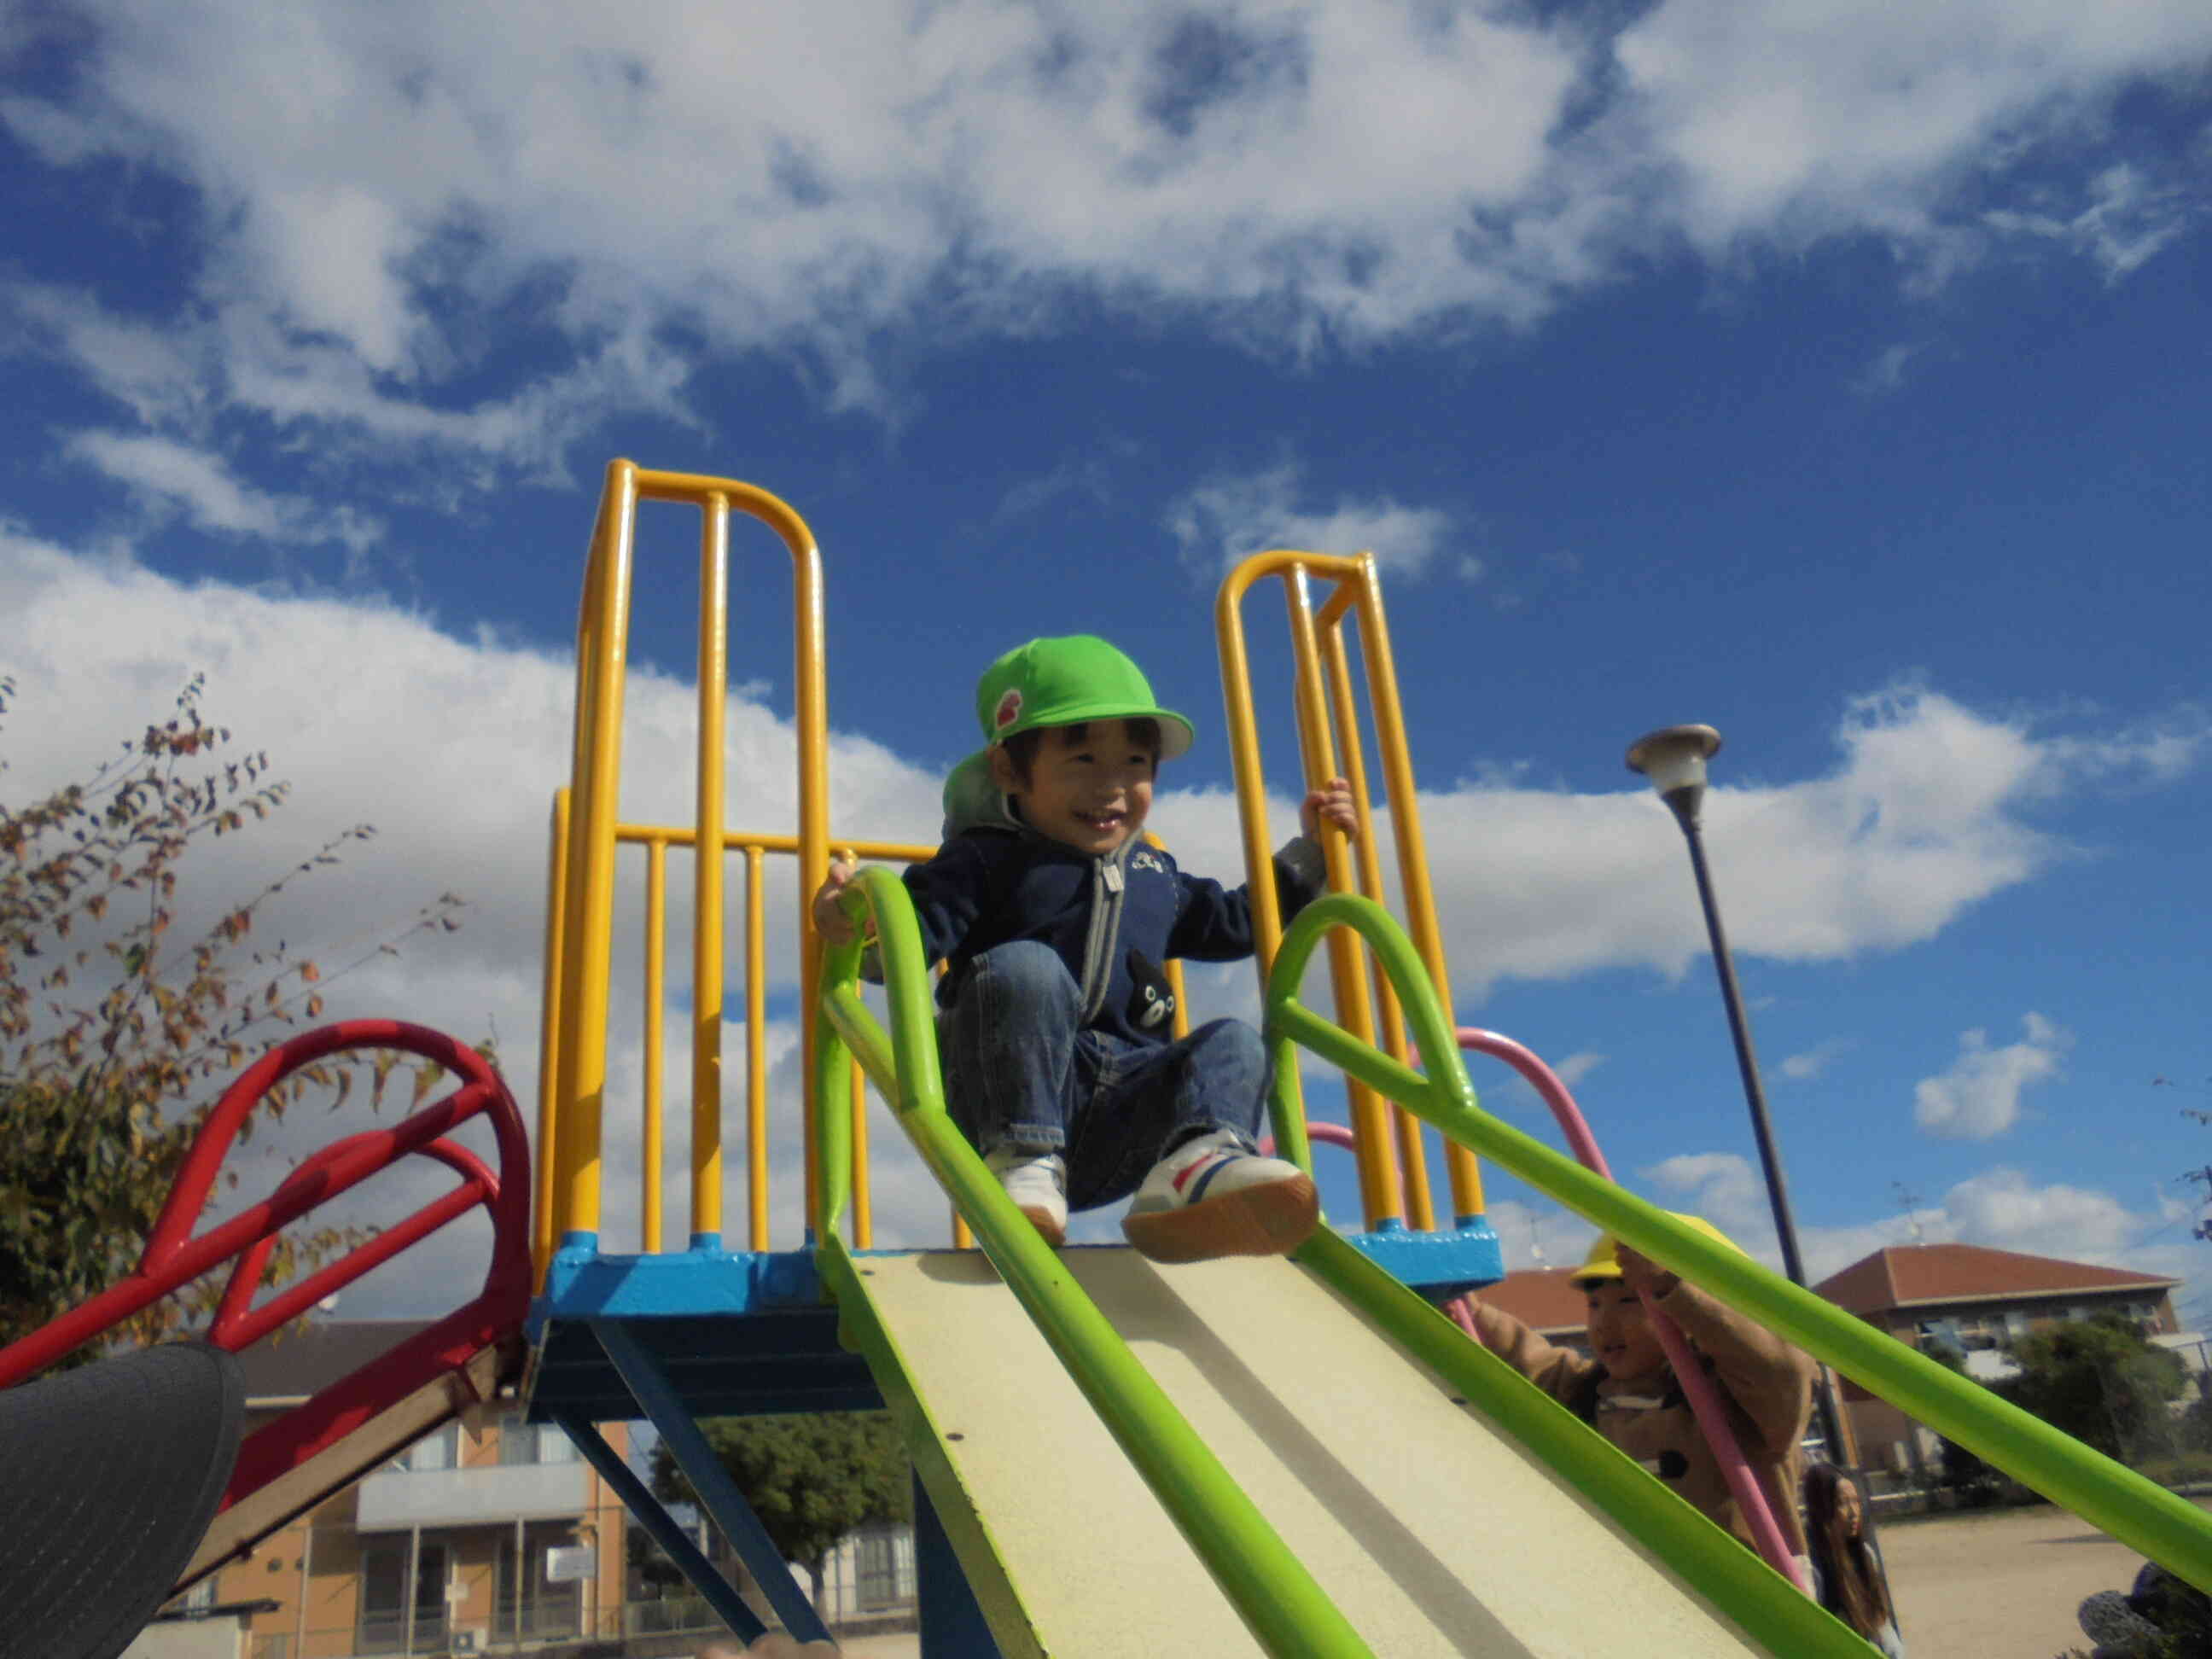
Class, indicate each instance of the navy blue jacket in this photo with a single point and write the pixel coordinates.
(1114, 921)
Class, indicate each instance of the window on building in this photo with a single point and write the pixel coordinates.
(198, 1599)
(384, 1620)
(522, 1442)
(875, 1570)
(440, 1451)
(529, 1605)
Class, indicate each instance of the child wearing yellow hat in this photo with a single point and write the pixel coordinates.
(1626, 1390)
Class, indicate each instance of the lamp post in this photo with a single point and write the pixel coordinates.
(1674, 758)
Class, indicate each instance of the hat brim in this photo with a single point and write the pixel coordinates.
(114, 1473)
(1176, 733)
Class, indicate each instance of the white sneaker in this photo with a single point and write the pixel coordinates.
(1038, 1182)
(1214, 1197)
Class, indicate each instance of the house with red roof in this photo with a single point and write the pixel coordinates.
(1975, 1300)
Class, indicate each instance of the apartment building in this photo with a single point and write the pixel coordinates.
(1973, 1301)
(491, 1536)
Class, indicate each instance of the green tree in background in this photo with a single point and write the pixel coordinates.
(117, 1028)
(812, 1479)
(2099, 1381)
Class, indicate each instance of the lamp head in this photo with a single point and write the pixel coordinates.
(1674, 758)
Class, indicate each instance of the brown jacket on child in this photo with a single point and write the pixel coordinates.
(1765, 1387)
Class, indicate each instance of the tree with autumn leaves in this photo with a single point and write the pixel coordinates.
(118, 1027)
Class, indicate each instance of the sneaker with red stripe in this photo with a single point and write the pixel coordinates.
(1213, 1196)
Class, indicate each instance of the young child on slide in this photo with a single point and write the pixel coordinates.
(1629, 1393)
(1056, 918)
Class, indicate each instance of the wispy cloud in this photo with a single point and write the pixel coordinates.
(168, 474)
(365, 193)
(1230, 517)
(2000, 1208)
(1979, 1096)
(2121, 222)
(1811, 1062)
(1885, 373)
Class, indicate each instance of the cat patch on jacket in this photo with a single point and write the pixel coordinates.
(1151, 1004)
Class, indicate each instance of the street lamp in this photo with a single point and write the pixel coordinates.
(1674, 759)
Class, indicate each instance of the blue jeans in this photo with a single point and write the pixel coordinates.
(1019, 1073)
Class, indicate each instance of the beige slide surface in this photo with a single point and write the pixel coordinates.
(1434, 1535)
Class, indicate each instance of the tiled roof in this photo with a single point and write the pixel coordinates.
(1912, 1275)
(1542, 1300)
(298, 1361)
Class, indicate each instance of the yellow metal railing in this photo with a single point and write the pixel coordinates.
(579, 912)
(1393, 1182)
(587, 836)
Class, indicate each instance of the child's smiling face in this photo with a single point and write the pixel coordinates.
(1622, 1337)
(1089, 786)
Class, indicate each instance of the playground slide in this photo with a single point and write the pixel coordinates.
(1434, 1533)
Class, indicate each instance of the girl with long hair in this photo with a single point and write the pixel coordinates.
(1852, 1585)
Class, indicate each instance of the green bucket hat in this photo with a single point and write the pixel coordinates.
(1060, 682)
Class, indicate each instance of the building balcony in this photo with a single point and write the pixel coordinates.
(483, 1496)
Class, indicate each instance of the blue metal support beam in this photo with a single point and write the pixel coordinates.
(674, 1543)
(952, 1622)
(649, 1384)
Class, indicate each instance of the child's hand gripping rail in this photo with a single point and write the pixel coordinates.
(1278, 1601)
(2141, 1514)
(1752, 1498)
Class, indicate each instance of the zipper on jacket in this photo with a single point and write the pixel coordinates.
(1106, 885)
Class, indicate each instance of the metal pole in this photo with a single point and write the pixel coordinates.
(307, 1569)
(407, 1592)
(1684, 803)
(517, 1580)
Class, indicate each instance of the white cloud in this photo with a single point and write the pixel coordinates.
(373, 187)
(1925, 815)
(164, 471)
(1887, 372)
(1726, 1189)
(2123, 222)
(1224, 519)
(1539, 1235)
(1921, 818)
(1806, 121)
(1979, 1096)
(2000, 1208)
(1802, 1067)
(98, 651)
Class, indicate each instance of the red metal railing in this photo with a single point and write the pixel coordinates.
(175, 1256)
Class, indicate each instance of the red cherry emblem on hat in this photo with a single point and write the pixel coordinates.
(1009, 708)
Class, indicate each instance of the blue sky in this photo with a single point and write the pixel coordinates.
(1835, 375)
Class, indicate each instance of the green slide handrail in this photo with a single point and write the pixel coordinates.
(2140, 1513)
(1765, 1605)
(1286, 1610)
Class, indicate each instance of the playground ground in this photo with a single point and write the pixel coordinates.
(2000, 1583)
(1990, 1584)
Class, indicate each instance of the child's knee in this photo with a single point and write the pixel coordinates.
(1025, 970)
(1010, 992)
(1233, 1037)
(1228, 1048)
